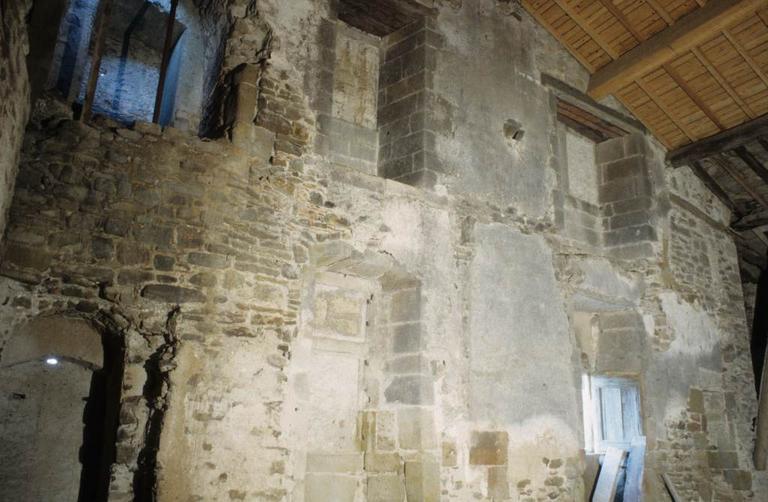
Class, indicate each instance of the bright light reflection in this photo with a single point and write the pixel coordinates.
(52, 361)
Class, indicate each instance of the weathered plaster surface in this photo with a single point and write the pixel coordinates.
(297, 329)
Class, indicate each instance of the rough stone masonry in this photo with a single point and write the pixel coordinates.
(376, 268)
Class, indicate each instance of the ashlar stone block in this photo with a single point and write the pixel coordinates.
(411, 389)
(489, 448)
(385, 488)
(422, 481)
(416, 429)
(335, 462)
(329, 488)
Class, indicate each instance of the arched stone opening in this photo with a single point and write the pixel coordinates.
(60, 388)
(361, 396)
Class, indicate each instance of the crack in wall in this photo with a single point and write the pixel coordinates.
(156, 392)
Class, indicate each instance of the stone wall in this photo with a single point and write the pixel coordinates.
(297, 326)
(406, 115)
(14, 97)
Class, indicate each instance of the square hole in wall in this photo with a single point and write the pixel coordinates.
(381, 17)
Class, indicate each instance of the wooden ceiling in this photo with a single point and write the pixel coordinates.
(688, 69)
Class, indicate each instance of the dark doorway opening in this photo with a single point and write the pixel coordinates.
(100, 420)
(759, 340)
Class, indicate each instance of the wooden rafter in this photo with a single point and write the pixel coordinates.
(102, 21)
(763, 16)
(575, 97)
(702, 58)
(679, 38)
(745, 55)
(587, 123)
(751, 161)
(556, 33)
(636, 112)
(584, 25)
(683, 128)
(738, 178)
(661, 11)
(721, 142)
(618, 14)
(680, 81)
(713, 186)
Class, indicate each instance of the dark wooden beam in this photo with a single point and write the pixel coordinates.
(743, 226)
(752, 162)
(99, 35)
(591, 126)
(714, 186)
(726, 166)
(719, 143)
(764, 144)
(167, 46)
(569, 94)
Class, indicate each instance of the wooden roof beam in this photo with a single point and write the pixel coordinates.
(725, 165)
(721, 142)
(688, 32)
(661, 11)
(714, 186)
(751, 161)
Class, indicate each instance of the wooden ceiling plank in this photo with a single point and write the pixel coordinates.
(679, 38)
(713, 186)
(635, 109)
(684, 129)
(751, 161)
(749, 59)
(584, 24)
(680, 81)
(763, 16)
(723, 83)
(661, 11)
(726, 140)
(725, 165)
(618, 14)
(555, 33)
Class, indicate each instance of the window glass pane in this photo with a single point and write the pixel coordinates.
(610, 401)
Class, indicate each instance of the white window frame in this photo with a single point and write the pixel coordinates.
(629, 415)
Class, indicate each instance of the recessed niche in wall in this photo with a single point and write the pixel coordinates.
(341, 312)
(132, 55)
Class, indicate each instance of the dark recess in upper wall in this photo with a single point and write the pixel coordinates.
(381, 17)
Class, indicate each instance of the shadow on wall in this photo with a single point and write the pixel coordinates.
(59, 400)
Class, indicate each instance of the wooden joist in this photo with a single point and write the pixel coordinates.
(575, 97)
(679, 38)
(713, 186)
(671, 488)
(591, 126)
(102, 21)
(738, 178)
(721, 142)
(752, 162)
